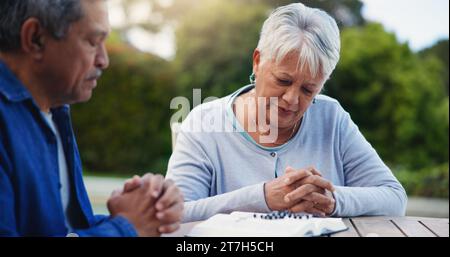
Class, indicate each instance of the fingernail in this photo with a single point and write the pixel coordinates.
(155, 194)
(159, 215)
(286, 180)
(286, 199)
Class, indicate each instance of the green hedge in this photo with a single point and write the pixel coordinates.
(125, 126)
(427, 182)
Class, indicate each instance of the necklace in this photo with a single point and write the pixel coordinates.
(290, 136)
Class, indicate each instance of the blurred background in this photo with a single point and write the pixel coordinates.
(392, 78)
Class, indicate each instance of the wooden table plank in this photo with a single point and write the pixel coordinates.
(351, 232)
(438, 227)
(376, 228)
(402, 217)
(412, 228)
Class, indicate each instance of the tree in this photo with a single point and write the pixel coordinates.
(125, 126)
(396, 98)
(215, 44)
(346, 12)
(173, 13)
(440, 51)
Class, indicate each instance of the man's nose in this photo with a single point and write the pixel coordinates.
(102, 59)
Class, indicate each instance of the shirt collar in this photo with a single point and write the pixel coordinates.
(10, 86)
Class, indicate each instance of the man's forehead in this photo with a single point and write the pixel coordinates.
(95, 17)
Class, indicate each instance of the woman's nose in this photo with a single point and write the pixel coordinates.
(291, 95)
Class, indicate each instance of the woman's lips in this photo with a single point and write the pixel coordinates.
(285, 111)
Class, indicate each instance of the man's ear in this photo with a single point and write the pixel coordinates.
(32, 38)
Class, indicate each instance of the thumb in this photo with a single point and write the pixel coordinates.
(289, 169)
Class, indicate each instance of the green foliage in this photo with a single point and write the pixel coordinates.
(345, 12)
(396, 98)
(427, 182)
(125, 126)
(439, 51)
(215, 45)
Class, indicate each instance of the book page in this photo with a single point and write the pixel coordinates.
(247, 224)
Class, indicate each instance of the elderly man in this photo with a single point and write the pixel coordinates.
(51, 54)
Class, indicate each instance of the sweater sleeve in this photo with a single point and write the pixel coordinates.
(370, 187)
(193, 172)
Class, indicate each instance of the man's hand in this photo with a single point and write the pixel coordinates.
(170, 207)
(169, 204)
(137, 206)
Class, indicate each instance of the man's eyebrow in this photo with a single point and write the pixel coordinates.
(100, 33)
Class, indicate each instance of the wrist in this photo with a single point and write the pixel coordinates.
(266, 196)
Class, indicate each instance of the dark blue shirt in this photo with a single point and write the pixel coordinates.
(30, 200)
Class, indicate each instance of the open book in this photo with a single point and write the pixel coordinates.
(276, 224)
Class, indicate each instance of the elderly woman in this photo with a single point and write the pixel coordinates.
(289, 148)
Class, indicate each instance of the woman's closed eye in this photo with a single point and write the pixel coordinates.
(284, 82)
(306, 91)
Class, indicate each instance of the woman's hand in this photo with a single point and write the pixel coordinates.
(320, 204)
(301, 190)
(313, 195)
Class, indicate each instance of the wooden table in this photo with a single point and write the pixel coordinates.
(379, 226)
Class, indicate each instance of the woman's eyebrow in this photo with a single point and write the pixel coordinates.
(283, 74)
(311, 84)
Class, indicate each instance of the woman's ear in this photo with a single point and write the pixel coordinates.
(256, 60)
(32, 38)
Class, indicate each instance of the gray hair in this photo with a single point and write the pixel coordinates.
(54, 15)
(310, 32)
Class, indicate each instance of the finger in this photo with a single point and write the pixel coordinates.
(300, 192)
(318, 181)
(156, 185)
(289, 169)
(319, 199)
(327, 208)
(145, 182)
(172, 214)
(116, 192)
(301, 206)
(131, 184)
(171, 194)
(169, 228)
(294, 176)
(144, 192)
(314, 171)
(315, 211)
(302, 183)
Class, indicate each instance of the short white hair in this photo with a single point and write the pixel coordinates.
(310, 32)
